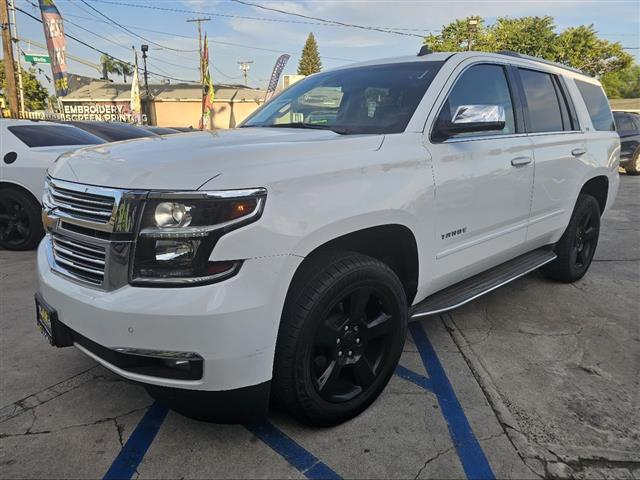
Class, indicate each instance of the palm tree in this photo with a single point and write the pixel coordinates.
(109, 65)
(125, 70)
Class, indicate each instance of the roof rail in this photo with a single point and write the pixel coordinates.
(541, 60)
(424, 50)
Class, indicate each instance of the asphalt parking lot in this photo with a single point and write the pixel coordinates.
(536, 379)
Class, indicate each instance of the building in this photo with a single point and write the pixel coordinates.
(168, 105)
(626, 104)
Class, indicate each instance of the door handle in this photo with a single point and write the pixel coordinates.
(520, 161)
(578, 152)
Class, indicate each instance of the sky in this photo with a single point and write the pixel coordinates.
(239, 32)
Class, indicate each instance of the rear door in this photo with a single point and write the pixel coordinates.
(483, 179)
(629, 130)
(559, 147)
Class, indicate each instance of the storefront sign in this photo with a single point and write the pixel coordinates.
(99, 111)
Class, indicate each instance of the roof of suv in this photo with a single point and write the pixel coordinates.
(444, 56)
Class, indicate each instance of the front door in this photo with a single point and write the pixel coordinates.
(483, 179)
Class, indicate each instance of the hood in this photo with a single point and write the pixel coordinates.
(188, 161)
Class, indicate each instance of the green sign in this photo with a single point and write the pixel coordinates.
(42, 58)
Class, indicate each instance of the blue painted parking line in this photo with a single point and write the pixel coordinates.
(473, 460)
(292, 452)
(414, 377)
(132, 453)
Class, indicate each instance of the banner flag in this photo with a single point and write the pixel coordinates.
(136, 105)
(275, 75)
(54, 34)
(207, 87)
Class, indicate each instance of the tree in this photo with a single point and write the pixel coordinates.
(310, 60)
(126, 70)
(35, 95)
(577, 47)
(109, 65)
(623, 83)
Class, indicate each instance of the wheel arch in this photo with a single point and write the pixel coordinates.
(393, 244)
(598, 188)
(7, 185)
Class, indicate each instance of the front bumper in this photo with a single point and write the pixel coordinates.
(232, 325)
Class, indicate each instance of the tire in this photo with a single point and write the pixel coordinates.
(341, 336)
(578, 244)
(20, 220)
(633, 167)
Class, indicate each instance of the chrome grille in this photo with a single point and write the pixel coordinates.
(79, 259)
(83, 205)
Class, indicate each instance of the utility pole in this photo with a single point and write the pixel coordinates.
(7, 55)
(12, 8)
(199, 22)
(472, 25)
(245, 66)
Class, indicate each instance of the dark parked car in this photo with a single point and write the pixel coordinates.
(161, 130)
(628, 126)
(113, 131)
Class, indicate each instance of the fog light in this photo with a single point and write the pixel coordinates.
(172, 214)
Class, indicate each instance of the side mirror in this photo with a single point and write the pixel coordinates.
(471, 118)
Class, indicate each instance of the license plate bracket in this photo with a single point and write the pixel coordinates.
(49, 325)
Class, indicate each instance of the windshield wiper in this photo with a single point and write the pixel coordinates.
(311, 126)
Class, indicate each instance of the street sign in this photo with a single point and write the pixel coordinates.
(41, 58)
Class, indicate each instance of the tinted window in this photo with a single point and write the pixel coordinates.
(481, 85)
(370, 99)
(597, 105)
(545, 112)
(623, 123)
(53, 135)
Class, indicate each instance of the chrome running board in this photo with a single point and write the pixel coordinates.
(485, 282)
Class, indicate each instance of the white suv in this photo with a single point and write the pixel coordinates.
(284, 259)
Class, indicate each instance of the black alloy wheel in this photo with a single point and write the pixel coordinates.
(20, 220)
(352, 344)
(340, 338)
(577, 246)
(584, 244)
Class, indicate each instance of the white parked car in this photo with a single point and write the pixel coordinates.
(284, 259)
(27, 149)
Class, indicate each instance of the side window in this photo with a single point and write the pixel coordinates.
(597, 105)
(481, 85)
(543, 104)
(46, 135)
(624, 123)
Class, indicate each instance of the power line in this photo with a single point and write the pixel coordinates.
(102, 51)
(131, 32)
(322, 22)
(333, 22)
(230, 44)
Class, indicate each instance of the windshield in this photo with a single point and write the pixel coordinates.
(371, 99)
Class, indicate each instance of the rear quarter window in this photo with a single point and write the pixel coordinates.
(597, 106)
(52, 135)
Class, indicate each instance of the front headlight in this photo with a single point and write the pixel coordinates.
(178, 231)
